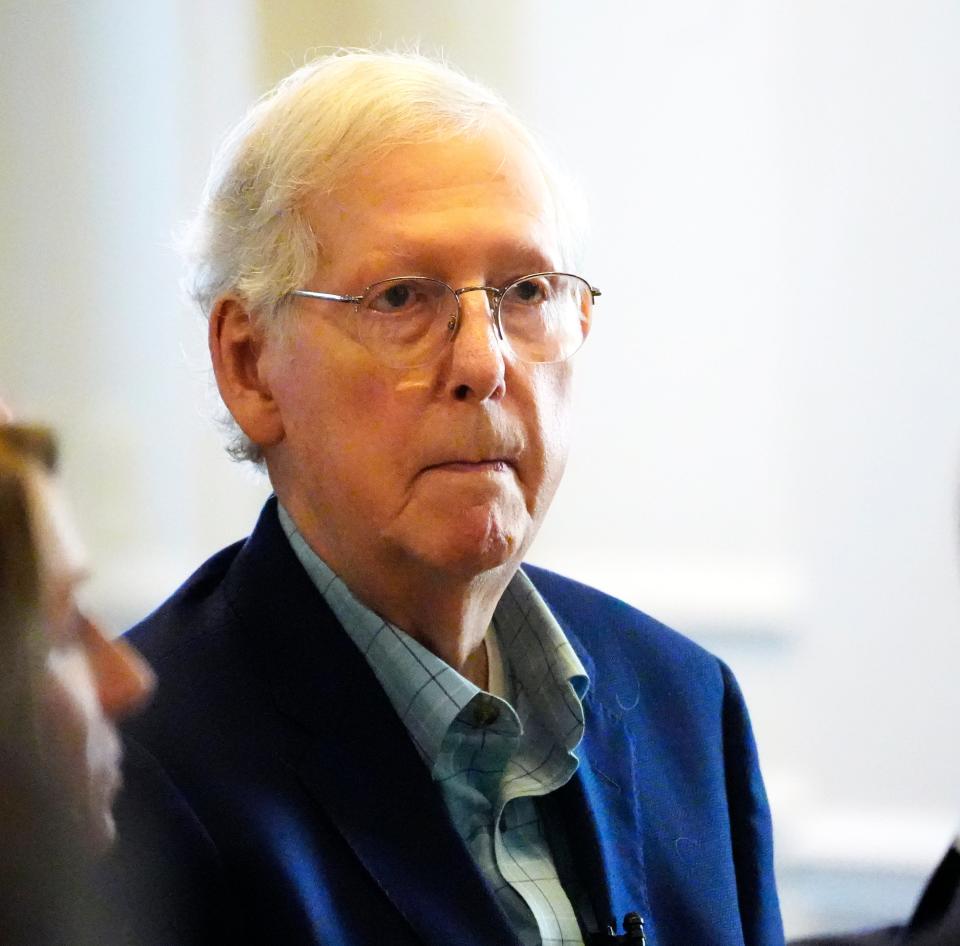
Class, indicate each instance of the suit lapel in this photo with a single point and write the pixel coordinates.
(358, 761)
(601, 820)
(602, 823)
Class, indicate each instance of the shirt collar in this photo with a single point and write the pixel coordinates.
(426, 692)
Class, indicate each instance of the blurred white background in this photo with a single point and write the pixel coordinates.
(769, 417)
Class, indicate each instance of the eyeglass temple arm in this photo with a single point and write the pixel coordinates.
(332, 297)
(329, 296)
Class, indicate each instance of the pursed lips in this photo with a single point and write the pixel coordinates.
(486, 465)
(485, 451)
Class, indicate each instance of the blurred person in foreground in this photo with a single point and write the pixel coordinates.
(935, 921)
(374, 725)
(62, 687)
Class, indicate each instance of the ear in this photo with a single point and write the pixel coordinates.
(236, 349)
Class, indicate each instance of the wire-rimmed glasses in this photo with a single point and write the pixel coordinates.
(407, 321)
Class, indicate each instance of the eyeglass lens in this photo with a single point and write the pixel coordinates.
(407, 322)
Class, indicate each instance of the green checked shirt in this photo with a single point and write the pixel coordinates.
(491, 754)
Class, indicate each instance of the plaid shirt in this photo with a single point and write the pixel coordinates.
(490, 756)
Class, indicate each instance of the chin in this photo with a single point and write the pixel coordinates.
(477, 542)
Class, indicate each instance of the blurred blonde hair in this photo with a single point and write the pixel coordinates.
(305, 138)
(44, 898)
(25, 453)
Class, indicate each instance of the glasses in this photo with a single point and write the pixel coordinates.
(408, 321)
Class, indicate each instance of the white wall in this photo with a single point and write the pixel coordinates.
(110, 114)
(769, 418)
(770, 428)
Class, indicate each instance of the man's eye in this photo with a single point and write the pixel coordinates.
(397, 296)
(400, 297)
(530, 291)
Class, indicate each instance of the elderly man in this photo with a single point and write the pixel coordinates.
(373, 726)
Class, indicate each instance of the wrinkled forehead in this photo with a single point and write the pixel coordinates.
(471, 190)
(489, 154)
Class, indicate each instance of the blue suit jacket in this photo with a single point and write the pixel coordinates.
(273, 795)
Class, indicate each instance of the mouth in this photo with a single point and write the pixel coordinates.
(489, 465)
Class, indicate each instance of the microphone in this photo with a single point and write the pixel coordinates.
(632, 933)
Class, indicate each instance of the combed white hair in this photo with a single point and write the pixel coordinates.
(251, 236)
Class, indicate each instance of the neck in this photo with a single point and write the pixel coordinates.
(446, 614)
(447, 610)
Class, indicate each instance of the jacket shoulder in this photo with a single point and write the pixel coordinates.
(180, 619)
(606, 625)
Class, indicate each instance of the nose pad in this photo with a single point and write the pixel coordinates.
(491, 297)
(477, 364)
(484, 321)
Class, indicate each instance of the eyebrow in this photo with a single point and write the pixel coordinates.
(425, 259)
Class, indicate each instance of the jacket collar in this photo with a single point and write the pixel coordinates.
(600, 815)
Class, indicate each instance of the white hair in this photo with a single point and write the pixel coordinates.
(251, 236)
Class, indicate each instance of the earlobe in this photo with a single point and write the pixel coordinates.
(237, 347)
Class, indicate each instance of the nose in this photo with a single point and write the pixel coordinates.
(123, 678)
(477, 366)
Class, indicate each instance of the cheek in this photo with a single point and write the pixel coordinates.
(82, 744)
(349, 430)
(330, 394)
(360, 430)
(552, 390)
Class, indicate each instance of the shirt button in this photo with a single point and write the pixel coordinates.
(485, 713)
